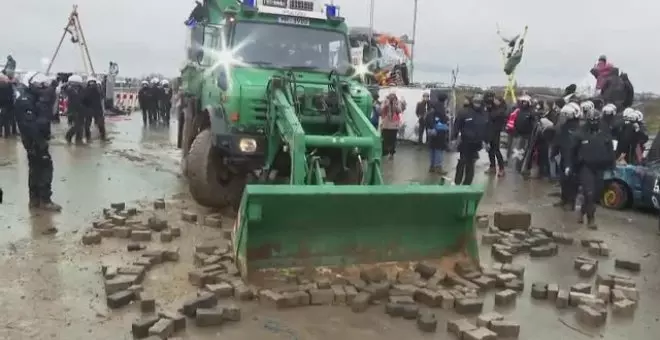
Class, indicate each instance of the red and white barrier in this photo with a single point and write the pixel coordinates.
(126, 101)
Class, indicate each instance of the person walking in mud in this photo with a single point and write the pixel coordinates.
(74, 94)
(34, 126)
(93, 105)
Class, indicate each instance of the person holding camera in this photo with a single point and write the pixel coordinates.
(391, 112)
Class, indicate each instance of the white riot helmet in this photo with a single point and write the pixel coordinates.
(34, 78)
(75, 79)
(154, 81)
(144, 83)
(609, 110)
(571, 111)
(639, 115)
(587, 107)
(629, 115)
(165, 82)
(525, 99)
(92, 79)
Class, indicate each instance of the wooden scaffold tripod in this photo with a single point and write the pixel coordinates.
(512, 52)
(74, 29)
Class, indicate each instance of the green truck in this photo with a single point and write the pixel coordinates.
(276, 126)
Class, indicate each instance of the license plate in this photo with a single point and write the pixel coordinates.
(293, 21)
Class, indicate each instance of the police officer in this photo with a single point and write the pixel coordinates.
(471, 124)
(568, 127)
(142, 100)
(8, 125)
(166, 101)
(76, 110)
(93, 104)
(631, 137)
(34, 125)
(153, 94)
(592, 155)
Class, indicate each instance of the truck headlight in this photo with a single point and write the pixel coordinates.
(247, 145)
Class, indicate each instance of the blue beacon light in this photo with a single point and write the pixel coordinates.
(331, 11)
(250, 3)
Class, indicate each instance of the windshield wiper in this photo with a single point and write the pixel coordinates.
(302, 68)
(259, 63)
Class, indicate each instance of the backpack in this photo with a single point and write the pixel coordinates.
(511, 121)
(523, 122)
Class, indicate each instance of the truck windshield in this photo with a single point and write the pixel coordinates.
(289, 46)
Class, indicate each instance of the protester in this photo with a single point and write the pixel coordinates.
(390, 120)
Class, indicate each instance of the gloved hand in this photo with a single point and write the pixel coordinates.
(567, 171)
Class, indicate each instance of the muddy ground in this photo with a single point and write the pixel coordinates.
(50, 285)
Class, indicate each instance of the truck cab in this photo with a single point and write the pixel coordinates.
(233, 54)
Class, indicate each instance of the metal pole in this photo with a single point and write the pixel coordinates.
(414, 40)
(371, 19)
(84, 43)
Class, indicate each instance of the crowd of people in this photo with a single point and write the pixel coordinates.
(572, 139)
(155, 101)
(29, 105)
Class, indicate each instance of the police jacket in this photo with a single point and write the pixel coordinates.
(92, 98)
(74, 95)
(472, 125)
(593, 149)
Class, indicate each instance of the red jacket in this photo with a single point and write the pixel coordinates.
(511, 121)
(601, 71)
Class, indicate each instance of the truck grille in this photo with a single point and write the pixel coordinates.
(302, 5)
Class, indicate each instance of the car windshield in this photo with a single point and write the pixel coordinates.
(289, 46)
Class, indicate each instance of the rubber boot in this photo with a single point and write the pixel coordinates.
(49, 205)
(34, 203)
(591, 223)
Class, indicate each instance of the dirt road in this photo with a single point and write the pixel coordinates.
(51, 285)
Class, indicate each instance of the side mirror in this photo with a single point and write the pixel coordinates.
(223, 82)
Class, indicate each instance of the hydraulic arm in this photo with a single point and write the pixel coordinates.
(351, 131)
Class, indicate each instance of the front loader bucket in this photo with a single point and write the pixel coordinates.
(284, 226)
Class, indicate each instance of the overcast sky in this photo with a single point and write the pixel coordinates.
(565, 37)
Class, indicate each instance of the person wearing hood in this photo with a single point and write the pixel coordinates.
(629, 91)
(613, 90)
(496, 109)
(601, 71)
(436, 123)
(523, 129)
(391, 112)
(471, 125)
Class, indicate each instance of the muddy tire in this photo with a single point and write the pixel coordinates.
(615, 196)
(204, 180)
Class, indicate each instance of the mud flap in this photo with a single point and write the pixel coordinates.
(283, 226)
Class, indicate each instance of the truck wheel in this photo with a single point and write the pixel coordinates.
(615, 196)
(205, 183)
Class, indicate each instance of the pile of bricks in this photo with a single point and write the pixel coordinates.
(618, 290)
(512, 234)
(123, 223)
(411, 295)
(596, 247)
(123, 283)
(489, 326)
